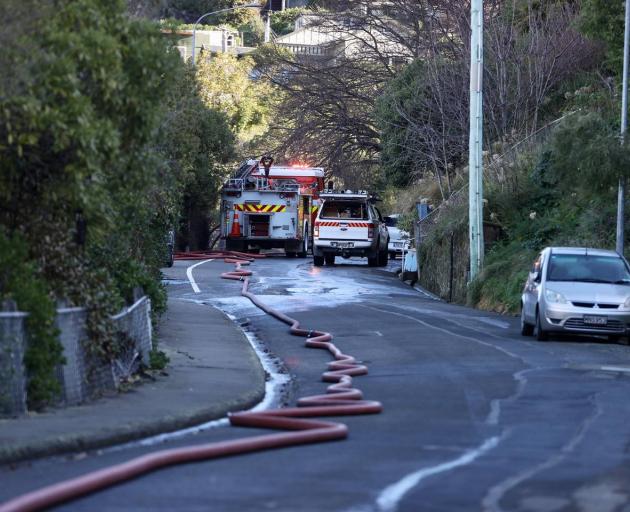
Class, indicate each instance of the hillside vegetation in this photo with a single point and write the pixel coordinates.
(558, 188)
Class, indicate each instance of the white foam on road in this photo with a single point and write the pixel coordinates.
(389, 499)
(276, 380)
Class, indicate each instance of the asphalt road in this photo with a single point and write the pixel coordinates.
(475, 416)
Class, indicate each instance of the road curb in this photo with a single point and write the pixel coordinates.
(143, 423)
(78, 443)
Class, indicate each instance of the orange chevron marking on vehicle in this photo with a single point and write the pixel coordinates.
(261, 208)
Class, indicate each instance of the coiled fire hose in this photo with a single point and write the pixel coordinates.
(340, 399)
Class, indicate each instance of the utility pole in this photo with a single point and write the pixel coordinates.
(475, 155)
(621, 194)
(268, 26)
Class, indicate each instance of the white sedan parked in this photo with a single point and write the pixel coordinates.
(399, 240)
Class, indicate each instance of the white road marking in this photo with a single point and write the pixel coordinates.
(379, 333)
(189, 274)
(391, 496)
(615, 368)
(492, 500)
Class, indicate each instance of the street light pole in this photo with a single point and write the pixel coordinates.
(248, 6)
(475, 154)
(621, 194)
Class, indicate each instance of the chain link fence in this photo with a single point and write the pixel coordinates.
(85, 374)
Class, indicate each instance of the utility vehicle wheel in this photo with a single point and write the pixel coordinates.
(330, 259)
(318, 261)
(382, 258)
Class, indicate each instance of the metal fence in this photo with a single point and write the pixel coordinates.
(85, 374)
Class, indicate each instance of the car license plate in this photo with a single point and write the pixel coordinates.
(345, 245)
(595, 320)
(398, 244)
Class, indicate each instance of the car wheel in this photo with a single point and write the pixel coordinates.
(373, 260)
(318, 261)
(330, 259)
(539, 332)
(392, 255)
(290, 254)
(526, 329)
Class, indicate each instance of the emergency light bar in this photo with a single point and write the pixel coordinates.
(341, 194)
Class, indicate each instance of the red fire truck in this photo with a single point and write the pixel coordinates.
(265, 206)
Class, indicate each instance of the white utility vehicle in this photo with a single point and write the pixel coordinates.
(347, 225)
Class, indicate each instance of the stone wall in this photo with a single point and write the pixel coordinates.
(84, 375)
(12, 373)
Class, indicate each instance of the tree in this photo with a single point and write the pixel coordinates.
(226, 85)
(603, 20)
(191, 10)
(198, 143)
(424, 113)
(89, 120)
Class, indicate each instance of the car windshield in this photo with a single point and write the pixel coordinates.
(391, 222)
(344, 210)
(588, 269)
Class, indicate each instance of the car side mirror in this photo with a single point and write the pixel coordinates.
(536, 276)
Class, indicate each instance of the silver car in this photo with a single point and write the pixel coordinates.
(576, 290)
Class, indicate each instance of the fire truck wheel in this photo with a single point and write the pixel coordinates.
(304, 250)
(330, 259)
(318, 261)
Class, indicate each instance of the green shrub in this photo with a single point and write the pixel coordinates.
(101, 125)
(158, 359)
(20, 282)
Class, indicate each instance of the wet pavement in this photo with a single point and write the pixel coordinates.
(475, 416)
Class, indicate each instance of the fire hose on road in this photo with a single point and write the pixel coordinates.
(341, 399)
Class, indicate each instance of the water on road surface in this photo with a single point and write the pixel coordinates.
(475, 416)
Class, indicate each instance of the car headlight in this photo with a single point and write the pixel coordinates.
(555, 297)
(626, 305)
